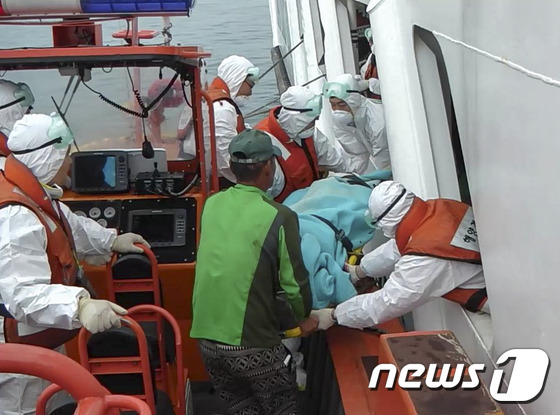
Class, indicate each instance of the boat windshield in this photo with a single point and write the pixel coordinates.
(98, 124)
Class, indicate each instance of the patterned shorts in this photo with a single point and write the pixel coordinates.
(252, 381)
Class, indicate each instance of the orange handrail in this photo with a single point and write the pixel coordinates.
(52, 366)
(116, 365)
(92, 398)
(212, 124)
(134, 312)
(135, 285)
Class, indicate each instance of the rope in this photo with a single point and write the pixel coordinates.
(535, 75)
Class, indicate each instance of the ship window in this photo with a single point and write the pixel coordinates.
(445, 141)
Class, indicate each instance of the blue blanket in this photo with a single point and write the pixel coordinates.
(343, 204)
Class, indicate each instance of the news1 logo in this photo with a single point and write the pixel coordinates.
(530, 369)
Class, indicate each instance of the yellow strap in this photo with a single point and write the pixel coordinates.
(295, 332)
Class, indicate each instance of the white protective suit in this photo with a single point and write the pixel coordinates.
(369, 36)
(25, 287)
(8, 116)
(232, 70)
(293, 122)
(362, 135)
(414, 280)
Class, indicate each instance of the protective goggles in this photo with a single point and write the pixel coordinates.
(374, 223)
(60, 136)
(337, 90)
(252, 76)
(22, 95)
(312, 108)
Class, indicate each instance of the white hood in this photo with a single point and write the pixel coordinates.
(293, 122)
(382, 197)
(31, 132)
(8, 116)
(355, 101)
(233, 71)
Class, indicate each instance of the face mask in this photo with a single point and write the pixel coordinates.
(305, 133)
(241, 100)
(343, 119)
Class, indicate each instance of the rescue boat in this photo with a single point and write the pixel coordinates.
(339, 362)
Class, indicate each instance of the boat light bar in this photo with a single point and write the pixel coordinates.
(41, 7)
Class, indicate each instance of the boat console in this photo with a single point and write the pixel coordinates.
(168, 224)
(101, 191)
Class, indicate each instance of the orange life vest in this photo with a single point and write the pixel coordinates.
(219, 91)
(172, 99)
(301, 167)
(443, 228)
(4, 150)
(18, 186)
(371, 72)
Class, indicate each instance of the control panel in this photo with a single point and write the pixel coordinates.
(168, 224)
(104, 212)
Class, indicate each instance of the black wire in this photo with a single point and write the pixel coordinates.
(144, 129)
(185, 95)
(114, 104)
(163, 93)
(137, 94)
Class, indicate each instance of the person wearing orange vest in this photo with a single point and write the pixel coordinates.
(16, 100)
(172, 99)
(42, 301)
(368, 71)
(230, 91)
(304, 150)
(433, 252)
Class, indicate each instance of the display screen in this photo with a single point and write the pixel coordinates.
(154, 228)
(97, 172)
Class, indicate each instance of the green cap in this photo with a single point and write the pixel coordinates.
(252, 146)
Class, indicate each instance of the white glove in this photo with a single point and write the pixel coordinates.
(324, 316)
(97, 260)
(125, 243)
(99, 315)
(374, 86)
(356, 272)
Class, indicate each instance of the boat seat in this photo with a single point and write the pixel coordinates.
(119, 342)
(123, 342)
(163, 406)
(138, 266)
(61, 403)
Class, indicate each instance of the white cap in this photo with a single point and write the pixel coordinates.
(382, 197)
(233, 70)
(32, 132)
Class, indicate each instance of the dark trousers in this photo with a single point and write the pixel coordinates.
(252, 381)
